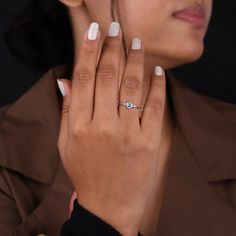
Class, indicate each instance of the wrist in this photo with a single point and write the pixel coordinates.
(125, 227)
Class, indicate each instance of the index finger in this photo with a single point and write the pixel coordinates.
(84, 76)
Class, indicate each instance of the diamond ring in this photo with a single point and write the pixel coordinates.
(129, 105)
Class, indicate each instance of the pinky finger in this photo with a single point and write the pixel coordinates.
(153, 112)
(64, 86)
(65, 89)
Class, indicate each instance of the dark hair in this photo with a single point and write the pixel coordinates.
(41, 36)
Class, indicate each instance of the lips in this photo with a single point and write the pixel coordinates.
(194, 15)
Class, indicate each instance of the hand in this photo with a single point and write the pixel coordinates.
(109, 152)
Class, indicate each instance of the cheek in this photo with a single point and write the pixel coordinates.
(161, 34)
(175, 44)
(140, 16)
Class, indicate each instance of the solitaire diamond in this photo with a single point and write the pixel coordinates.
(130, 105)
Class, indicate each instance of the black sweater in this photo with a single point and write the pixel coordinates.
(84, 223)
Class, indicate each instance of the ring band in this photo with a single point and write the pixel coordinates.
(129, 105)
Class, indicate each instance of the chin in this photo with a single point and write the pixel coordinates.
(183, 55)
(193, 53)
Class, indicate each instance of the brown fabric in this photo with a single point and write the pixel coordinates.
(200, 192)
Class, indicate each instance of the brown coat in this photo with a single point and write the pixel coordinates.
(200, 192)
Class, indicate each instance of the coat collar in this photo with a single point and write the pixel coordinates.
(29, 129)
(209, 127)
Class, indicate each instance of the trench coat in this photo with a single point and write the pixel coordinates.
(200, 190)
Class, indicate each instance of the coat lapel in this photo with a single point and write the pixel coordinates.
(29, 129)
(209, 128)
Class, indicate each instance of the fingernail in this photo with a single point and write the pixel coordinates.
(158, 71)
(136, 44)
(114, 29)
(93, 31)
(61, 87)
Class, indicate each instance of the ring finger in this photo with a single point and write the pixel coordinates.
(132, 84)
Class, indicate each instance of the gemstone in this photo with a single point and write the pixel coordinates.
(129, 105)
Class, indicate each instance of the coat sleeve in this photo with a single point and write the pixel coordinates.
(9, 216)
(84, 222)
(45, 217)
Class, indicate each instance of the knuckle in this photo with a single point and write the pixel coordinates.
(146, 145)
(131, 140)
(149, 147)
(159, 83)
(106, 72)
(65, 110)
(127, 139)
(78, 131)
(112, 44)
(137, 56)
(83, 76)
(105, 133)
(88, 49)
(157, 105)
(131, 83)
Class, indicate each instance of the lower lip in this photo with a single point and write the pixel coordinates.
(197, 21)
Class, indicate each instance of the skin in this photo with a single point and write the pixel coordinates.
(167, 42)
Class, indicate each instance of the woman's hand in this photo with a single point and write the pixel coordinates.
(109, 152)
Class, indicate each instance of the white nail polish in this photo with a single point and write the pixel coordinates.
(93, 31)
(114, 29)
(136, 44)
(61, 87)
(158, 71)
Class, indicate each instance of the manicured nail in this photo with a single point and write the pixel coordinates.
(158, 71)
(114, 29)
(61, 87)
(93, 31)
(136, 44)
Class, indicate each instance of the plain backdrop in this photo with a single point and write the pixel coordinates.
(213, 75)
(15, 79)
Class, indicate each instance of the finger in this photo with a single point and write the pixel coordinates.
(153, 112)
(132, 83)
(65, 89)
(84, 77)
(107, 76)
